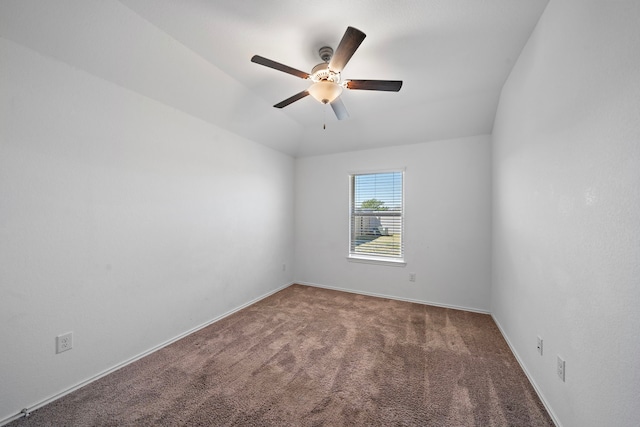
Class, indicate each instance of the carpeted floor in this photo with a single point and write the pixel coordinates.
(315, 357)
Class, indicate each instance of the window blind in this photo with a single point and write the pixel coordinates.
(376, 213)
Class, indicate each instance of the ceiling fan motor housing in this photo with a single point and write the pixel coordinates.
(322, 72)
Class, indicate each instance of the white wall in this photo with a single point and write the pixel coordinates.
(566, 230)
(122, 220)
(447, 222)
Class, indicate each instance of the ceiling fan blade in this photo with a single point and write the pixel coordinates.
(339, 109)
(292, 99)
(278, 66)
(348, 45)
(387, 85)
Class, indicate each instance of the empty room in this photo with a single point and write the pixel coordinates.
(296, 213)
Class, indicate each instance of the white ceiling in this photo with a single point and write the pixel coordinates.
(194, 55)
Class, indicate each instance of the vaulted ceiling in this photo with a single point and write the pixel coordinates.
(194, 55)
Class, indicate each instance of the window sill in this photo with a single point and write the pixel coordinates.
(379, 261)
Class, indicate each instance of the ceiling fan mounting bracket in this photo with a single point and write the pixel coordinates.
(325, 53)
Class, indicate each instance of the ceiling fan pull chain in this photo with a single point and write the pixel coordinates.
(324, 118)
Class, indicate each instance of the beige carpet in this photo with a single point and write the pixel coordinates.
(315, 357)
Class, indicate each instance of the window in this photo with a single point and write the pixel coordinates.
(376, 216)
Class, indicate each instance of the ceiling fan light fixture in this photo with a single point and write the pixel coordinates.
(325, 91)
(326, 85)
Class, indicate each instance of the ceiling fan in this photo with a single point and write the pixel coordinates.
(327, 84)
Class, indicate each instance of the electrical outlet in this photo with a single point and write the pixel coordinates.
(561, 368)
(284, 267)
(540, 345)
(64, 342)
(412, 277)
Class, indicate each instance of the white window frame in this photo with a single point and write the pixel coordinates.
(368, 258)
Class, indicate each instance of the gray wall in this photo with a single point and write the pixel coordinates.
(447, 222)
(566, 210)
(122, 220)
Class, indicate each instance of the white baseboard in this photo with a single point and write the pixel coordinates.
(139, 356)
(552, 414)
(373, 294)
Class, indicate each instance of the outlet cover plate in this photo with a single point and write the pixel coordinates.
(561, 368)
(540, 346)
(64, 342)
